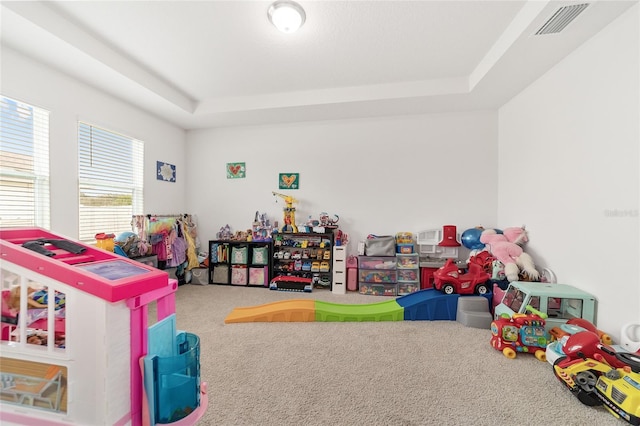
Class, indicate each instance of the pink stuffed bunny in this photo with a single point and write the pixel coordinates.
(506, 248)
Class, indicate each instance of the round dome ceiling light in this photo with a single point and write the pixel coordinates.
(286, 15)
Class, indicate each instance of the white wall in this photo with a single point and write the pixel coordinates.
(69, 101)
(381, 176)
(568, 163)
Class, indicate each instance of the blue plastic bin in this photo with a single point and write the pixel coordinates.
(178, 380)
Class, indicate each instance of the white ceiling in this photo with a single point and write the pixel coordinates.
(220, 63)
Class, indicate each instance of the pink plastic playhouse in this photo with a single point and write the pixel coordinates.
(75, 342)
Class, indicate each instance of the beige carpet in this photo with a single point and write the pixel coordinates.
(375, 373)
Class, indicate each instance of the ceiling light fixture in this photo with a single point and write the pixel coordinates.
(286, 15)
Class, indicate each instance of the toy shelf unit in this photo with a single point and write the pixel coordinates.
(560, 302)
(308, 255)
(378, 275)
(240, 263)
(74, 357)
(339, 283)
(408, 266)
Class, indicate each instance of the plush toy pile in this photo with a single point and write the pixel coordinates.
(506, 248)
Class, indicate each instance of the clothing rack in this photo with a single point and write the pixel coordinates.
(164, 216)
(183, 223)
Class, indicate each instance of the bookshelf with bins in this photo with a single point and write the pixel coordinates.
(240, 263)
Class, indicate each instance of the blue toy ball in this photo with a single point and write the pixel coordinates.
(471, 239)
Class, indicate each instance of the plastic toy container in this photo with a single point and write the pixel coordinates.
(404, 248)
(376, 276)
(378, 289)
(377, 262)
(105, 241)
(178, 380)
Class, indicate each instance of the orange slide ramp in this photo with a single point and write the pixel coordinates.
(295, 310)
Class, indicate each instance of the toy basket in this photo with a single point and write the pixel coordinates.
(258, 276)
(260, 256)
(239, 255)
(239, 275)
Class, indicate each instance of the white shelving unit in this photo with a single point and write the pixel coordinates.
(339, 285)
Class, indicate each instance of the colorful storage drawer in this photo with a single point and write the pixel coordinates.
(408, 261)
(378, 289)
(408, 288)
(377, 262)
(377, 276)
(408, 275)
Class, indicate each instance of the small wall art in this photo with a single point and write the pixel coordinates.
(165, 171)
(289, 181)
(236, 170)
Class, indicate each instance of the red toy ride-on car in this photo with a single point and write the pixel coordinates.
(449, 279)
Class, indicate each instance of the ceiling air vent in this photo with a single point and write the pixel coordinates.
(561, 18)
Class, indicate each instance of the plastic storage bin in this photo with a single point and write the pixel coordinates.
(378, 289)
(408, 288)
(377, 262)
(239, 255)
(377, 276)
(408, 261)
(105, 241)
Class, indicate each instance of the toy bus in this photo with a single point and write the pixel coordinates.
(559, 302)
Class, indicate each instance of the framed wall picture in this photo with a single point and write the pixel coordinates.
(165, 171)
(236, 170)
(289, 181)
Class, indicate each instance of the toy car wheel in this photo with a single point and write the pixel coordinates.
(509, 353)
(586, 380)
(589, 399)
(482, 289)
(541, 355)
(448, 289)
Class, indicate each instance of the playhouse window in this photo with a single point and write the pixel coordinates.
(31, 312)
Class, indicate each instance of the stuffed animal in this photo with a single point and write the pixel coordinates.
(506, 248)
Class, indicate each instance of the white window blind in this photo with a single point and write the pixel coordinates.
(24, 164)
(110, 181)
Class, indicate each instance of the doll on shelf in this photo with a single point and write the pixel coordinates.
(37, 298)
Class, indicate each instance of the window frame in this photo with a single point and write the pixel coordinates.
(24, 144)
(111, 168)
